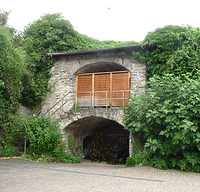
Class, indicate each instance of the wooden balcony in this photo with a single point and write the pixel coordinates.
(102, 98)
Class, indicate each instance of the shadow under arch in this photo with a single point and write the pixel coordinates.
(100, 67)
(99, 139)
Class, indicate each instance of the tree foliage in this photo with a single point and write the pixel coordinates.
(3, 17)
(44, 135)
(111, 43)
(12, 69)
(166, 119)
(51, 33)
(171, 49)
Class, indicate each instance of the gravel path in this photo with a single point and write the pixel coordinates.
(20, 175)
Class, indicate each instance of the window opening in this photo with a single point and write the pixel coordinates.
(103, 88)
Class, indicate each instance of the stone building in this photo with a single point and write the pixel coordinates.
(89, 90)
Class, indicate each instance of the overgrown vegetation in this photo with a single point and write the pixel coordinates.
(12, 70)
(171, 49)
(39, 137)
(24, 74)
(139, 158)
(166, 118)
(51, 33)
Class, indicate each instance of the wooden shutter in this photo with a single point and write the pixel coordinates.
(103, 89)
(84, 90)
(101, 85)
(120, 81)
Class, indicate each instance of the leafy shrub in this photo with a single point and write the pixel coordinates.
(130, 161)
(7, 150)
(44, 135)
(15, 131)
(76, 107)
(45, 140)
(70, 158)
(166, 119)
(137, 159)
(71, 144)
(141, 158)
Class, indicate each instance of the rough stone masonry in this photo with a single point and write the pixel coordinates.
(63, 82)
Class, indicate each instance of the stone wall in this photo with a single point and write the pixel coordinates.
(115, 113)
(63, 78)
(82, 123)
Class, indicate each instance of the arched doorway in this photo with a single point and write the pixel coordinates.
(100, 139)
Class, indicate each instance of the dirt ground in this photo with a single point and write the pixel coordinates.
(20, 175)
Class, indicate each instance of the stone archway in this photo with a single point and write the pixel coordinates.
(99, 139)
(100, 67)
(63, 77)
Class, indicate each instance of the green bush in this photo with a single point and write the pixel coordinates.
(70, 158)
(7, 150)
(166, 119)
(44, 135)
(130, 161)
(137, 159)
(60, 155)
(15, 131)
(141, 158)
(45, 140)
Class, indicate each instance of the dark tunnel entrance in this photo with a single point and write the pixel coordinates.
(111, 148)
(100, 139)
